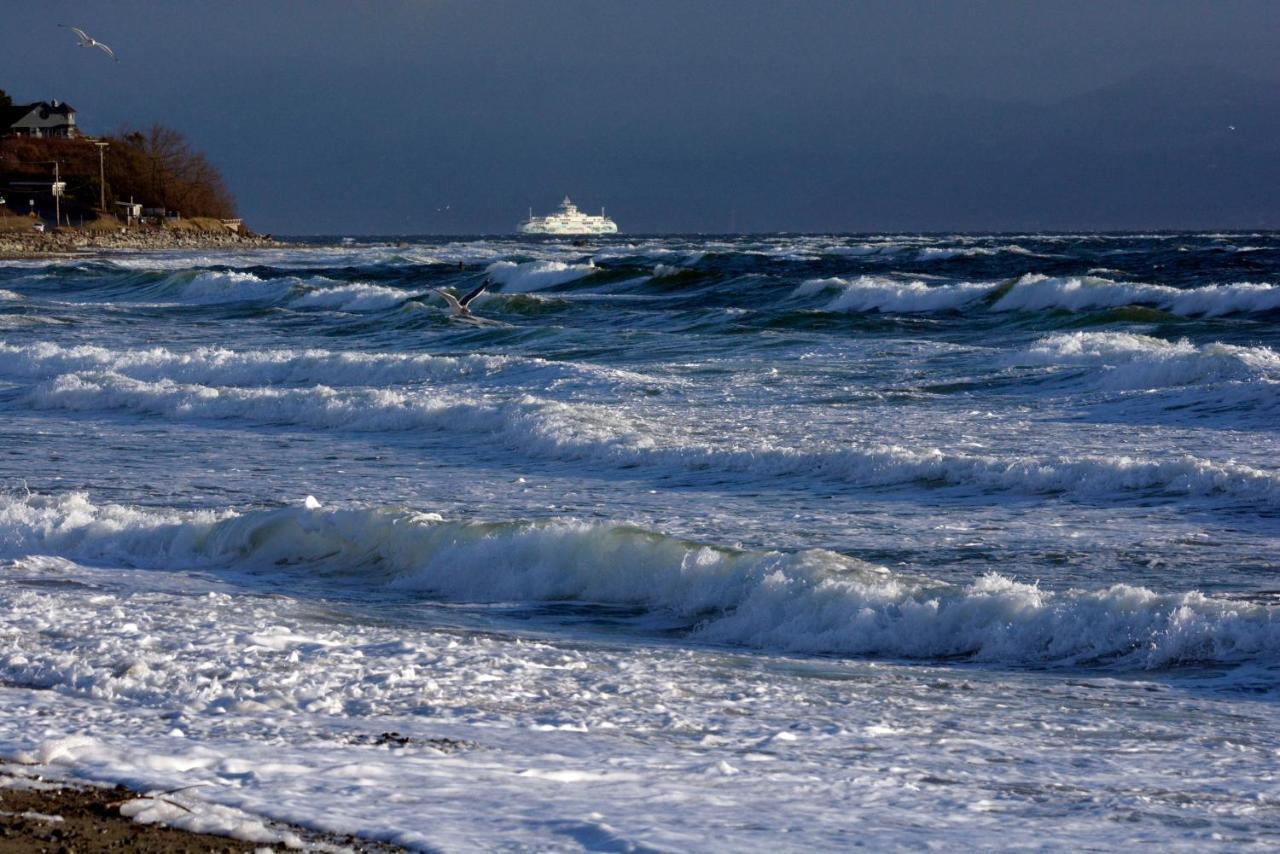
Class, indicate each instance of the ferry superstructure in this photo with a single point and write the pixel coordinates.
(568, 220)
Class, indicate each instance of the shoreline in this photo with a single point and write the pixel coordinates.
(52, 814)
(73, 242)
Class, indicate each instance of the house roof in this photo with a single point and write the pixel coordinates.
(10, 115)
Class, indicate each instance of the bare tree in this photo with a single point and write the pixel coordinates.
(159, 168)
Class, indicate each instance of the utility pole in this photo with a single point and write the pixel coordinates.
(102, 181)
(57, 198)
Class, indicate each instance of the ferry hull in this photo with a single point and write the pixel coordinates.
(529, 228)
(568, 221)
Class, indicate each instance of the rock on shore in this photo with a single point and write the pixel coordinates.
(33, 244)
(38, 815)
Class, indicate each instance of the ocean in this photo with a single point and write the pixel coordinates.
(797, 542)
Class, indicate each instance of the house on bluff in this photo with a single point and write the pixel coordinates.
(43, 119)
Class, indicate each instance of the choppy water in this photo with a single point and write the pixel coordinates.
(798, 541)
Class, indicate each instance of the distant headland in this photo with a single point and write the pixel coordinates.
(63, 191)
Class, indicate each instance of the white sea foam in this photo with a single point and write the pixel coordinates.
(318, 406)
(663, 271)
(876, 293)
(211, 287)
(676, 257)
(857, 251)
(1131, 361)
(354, 297)
(259, 653)
(1087, 293)
(603, 435)
(809, 601)
(224, 367)
(1083, 476)
(9, 296)
(940, 253)
(943, 253)
(1241, 384)
(256, 704)
(195, 816)
(535, 426)
(216, 366)
(537, 275)
(1035, 292)
(215, 287)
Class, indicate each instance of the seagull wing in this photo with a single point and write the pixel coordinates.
(81, 34)
(484, 286)
(449, 298)
(106, 49)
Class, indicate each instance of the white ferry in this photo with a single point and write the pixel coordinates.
(568, 220)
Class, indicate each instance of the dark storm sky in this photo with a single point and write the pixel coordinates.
(344, 117)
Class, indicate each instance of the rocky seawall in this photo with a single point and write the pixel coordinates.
(33, 244)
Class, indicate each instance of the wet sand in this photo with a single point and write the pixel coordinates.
(60, 818)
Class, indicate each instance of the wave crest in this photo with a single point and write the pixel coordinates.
(537, 275)
(1133, 361)
(602, 435)
(218, 366)
(812, 601)
(1034, 292)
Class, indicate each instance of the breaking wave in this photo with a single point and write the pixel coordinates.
(1132, 361)
(209, 287)
(203, 287)
(1035, 292)
(605, 435)
(811, 601)
(878, 294)
(1086, 293)
(1238, 384)
(537, 275)
(217, 367)
(353, 298)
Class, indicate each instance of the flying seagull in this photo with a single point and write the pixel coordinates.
(459, 306)
(88, 41)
